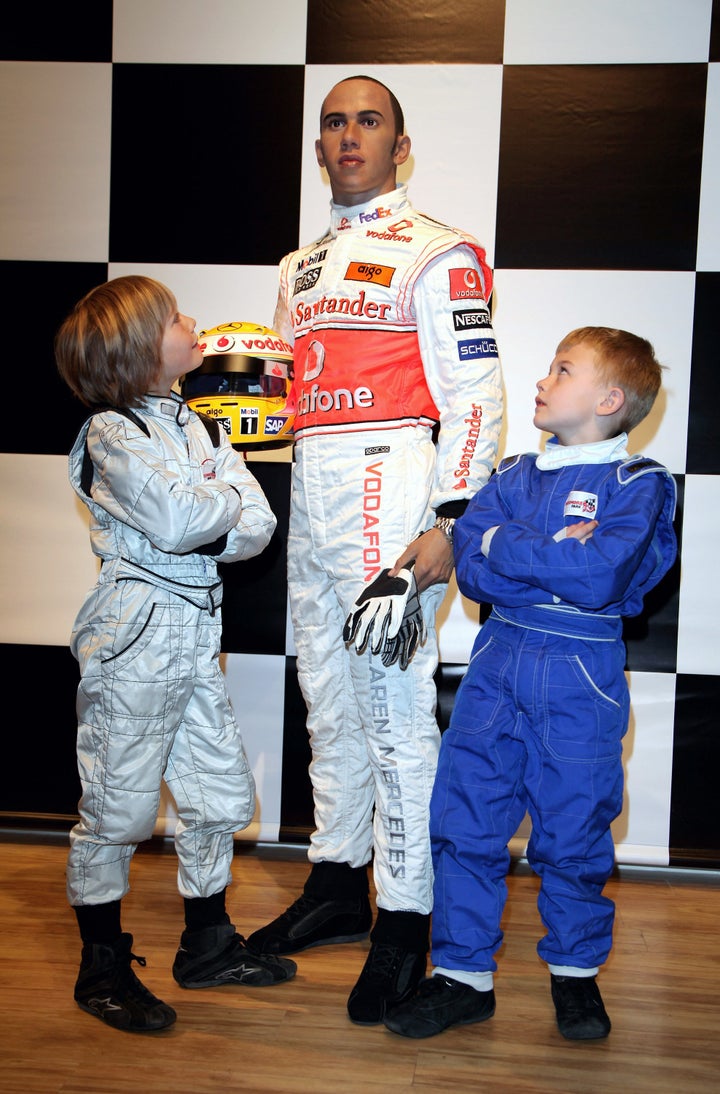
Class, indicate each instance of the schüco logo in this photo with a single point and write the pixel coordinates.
(469, 350)
(370, 271)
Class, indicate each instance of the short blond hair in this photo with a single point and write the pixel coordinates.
(626, 361)
(108, 348)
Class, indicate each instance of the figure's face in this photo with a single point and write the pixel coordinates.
(179, 352)
(358, 145)
(572, 401)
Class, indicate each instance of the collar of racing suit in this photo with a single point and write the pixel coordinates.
(560, 455)
(167, 406)
(343, 217)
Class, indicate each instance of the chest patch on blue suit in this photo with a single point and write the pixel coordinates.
(579, 503)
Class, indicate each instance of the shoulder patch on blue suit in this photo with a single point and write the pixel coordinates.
(636, 466)
(507, 463)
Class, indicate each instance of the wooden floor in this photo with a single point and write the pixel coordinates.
(661, 988)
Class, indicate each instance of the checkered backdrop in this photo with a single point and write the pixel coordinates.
(580, 141)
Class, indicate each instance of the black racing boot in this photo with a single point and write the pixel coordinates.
(108, 988)
(394, 967)
(334, 908)
(218, 955)
(581, 1015)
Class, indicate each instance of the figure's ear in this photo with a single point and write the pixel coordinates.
(319, 154)
(401, 150)
(612, 402)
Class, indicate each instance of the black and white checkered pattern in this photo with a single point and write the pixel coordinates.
(580, 141)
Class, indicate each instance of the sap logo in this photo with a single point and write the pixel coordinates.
(274, 425)
(471, 350)
(467, 320)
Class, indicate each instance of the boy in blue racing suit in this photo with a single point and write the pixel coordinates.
(563, 545)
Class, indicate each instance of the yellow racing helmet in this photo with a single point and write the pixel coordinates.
(244, 383)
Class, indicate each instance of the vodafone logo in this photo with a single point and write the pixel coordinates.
(466, 284)
(314, 361)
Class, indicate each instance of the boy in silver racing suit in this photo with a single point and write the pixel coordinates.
(167, 502)
(389, 316)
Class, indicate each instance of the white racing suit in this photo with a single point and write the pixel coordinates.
(392, 335)
(166, 506)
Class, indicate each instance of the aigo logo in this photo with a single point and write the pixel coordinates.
(370, 272)
(466, 284)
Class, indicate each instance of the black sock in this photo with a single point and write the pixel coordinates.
(408, 930)
(99, 923)
(336, 881)
(205, 911)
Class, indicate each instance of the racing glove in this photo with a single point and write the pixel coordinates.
(387, 616)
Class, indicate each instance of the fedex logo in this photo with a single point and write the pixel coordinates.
(376, 214)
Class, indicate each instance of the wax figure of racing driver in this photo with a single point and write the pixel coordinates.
(388, 312)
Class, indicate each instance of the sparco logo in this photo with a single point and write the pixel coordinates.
(467, 320)
(307, 280)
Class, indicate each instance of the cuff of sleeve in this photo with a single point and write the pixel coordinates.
(487, 540)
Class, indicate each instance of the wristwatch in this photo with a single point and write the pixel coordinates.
(446, 526)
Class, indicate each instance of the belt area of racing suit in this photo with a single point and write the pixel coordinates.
(205, 597)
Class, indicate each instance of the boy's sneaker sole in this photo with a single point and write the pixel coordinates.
(439, 1004)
